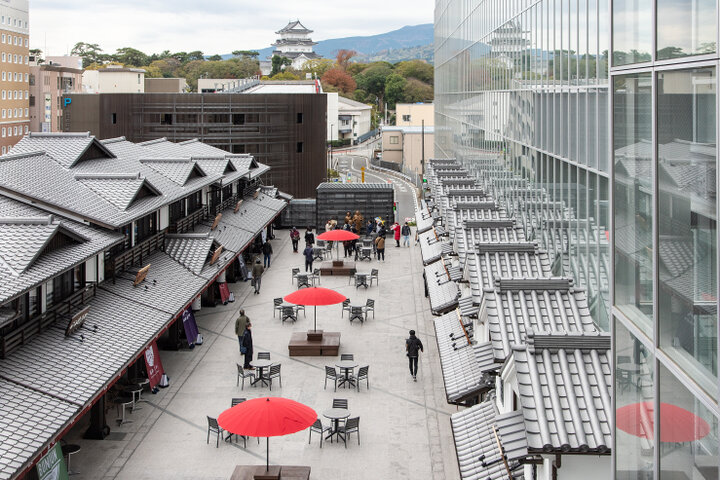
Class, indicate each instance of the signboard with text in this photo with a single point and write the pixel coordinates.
(52, 465)
(153, 365)
(191, 328)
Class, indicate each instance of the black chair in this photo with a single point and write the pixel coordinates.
(340, 403)
(357, 313)
(298, 308)
(303, 281)
(316, 274)
(347, 356)
(288, 313)
(351, 425)
(331, 373)
(317, 427)
(237, 401)
(374, 274)
(241, 373)
(370, 307)
(276, 305)
(345, 306)
(214, 428)
(233, 402)
(362, 375)
(263, 356)
(295, 272)
(275, 373)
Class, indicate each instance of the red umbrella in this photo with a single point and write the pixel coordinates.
(338, 235)
(315, 296)
(676, 424)
(267, 417)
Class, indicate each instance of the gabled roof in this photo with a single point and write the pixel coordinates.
(294, 27)
(68, 152)
(119, 189)
(195, 147)
(190, 250)
(443, 292)
(179, 170)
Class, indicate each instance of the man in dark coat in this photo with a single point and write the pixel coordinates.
(247, 344)
(309, 237)
(257, 272)
(267, 253)
(413, 346)
(240, 325)
(309, 256)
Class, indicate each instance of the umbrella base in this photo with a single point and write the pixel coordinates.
(314, 335)
(250, 472)
(272, 474)
(327, 346)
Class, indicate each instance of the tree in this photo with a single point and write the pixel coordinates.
(355, 69)
(340, 79)
(89, 52)
(419, 69)
(343, 58)
(373, 79)
(194, 55)
(246, 53)
(318, 66)
(284, 76)
(417, 91)
(278, 64)
(215, 58)
(168, 67)
(394, 89)
(131, 56)
(37, 53)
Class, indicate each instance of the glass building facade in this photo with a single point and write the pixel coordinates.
(606, 110)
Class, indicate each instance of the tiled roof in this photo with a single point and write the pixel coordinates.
(423, 223)
(66, 152)
(195, 148)
(463, 362)
(431, 247)
(176, 169)
(120, 191)
(564, 383)
(191, 250)
(443, 292)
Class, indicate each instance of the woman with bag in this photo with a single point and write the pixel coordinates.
(247, 347)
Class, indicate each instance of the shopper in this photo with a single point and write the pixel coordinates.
(295, 238)
(396, 231)
(308, 252)
(247, 345)
(309, 237)
(405, 232)
(257, 272)
(267, 253)
(413, 346)
(380, 247)
(240, 324)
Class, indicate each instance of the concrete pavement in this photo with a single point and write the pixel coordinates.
(404, 426)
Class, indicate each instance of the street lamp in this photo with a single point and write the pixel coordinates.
(332, 130)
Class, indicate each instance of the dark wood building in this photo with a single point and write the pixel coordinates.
(284, 131)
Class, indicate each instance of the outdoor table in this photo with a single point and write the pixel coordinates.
(68, 451)
(347, 366)
(303, 279)
(361, 307)
(318, 253)
(261, 364)
(364, 253)
(336, 414)
(123, 401)
(132, 390)
(289, 305)
(361, 280)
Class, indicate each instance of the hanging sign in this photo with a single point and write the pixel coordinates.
(153, 365)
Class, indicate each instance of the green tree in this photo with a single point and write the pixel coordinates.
(419, 69)
(37, 53)
(355, 69)
(373, 79)
(284, 76)
(131, 56)
(394, 89)
(168, 67)
(215, 58)
(89, 52)
(417, 91)
(318, 66)
(194, 55)
(278, 64)
(246, 53)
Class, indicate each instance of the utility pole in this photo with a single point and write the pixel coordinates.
(422, 157)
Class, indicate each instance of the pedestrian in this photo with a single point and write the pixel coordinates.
(309, 237)
(247, 345)
(240, 325)
(370, 228)
(347, 245)
(412, 346)
(295, 238)
(267, 253)
(328, 226)
(406, 234)
(396, 230)
(380, 247)
(309, 254)
(257, 272)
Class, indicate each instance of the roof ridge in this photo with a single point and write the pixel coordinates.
(32, 153)
(108, 176)
(564, 340)
(27, 220)
(113, 140)
(60, 134)
(188, 142)
(550, 283)
(166, 160)
(153, 142)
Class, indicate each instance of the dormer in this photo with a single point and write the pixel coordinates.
(68, 149)
(177, 170)
(120, 189)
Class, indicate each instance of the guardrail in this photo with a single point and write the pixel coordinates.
(188, 223)
(135, 255)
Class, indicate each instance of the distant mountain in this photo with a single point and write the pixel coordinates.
(407, 37)
(394, 55)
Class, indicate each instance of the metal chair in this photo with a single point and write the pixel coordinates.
(237, 401)
(340, 403)
(347, 356)
(317, 427)
(303, 281)
(241, 373)
(295, 271)
(263, 356)
(374, 273)
(362, 375)
(319, 253)
(275, 373)
(233, 402)
(214, 428)
(288, 313)
(370, 307)
(357, 313)
(351, 425)
(298, 308)
(316, 274)
(345, 306)
(331, 373)
(276, 304)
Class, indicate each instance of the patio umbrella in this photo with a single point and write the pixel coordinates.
(267, 417)
(677, 425)
(315, 296)
(338, 236)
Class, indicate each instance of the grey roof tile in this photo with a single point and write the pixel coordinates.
(443, 292)
(118, 191)
(177, 170)
(190, 250)
(67, 151)
(431, 247)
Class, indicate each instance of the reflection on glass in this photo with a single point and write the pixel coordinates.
(687, 221)
(632, 31)
(685, 27)
(634, 389)
(688, 433)
(633, 198)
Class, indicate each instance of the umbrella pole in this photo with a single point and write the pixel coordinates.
(267, 457)
(315, 319)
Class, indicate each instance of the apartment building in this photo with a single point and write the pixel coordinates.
(14, 73)
(49, 81)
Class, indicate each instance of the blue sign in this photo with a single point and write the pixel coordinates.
(67, 101)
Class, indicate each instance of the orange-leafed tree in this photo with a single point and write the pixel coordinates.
(343, 58)
(340, 80)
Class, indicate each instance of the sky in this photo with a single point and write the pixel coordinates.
(212, 26)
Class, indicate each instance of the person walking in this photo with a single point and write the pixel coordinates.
(240, 324)
(309, 237)
(380, 247)
(257, 272)
(405, 232)
(267, 253)
(308, 252)
(295, 239)
(413, 345)
(396, 233)
(247, 345)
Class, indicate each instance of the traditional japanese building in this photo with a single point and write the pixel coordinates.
(295, 43)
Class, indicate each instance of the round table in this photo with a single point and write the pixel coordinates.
(69, 450)
(346, 366)
(132, 390)
(261, 364)
(336, 414)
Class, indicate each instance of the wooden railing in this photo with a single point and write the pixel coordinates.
(135, 255)
(227, 203)
(187, 224)
(59, 313)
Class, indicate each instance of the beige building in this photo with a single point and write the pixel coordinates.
(48, 83)
(404, 146)
(413, 114)
(165, 85)
(353, 119)
(114, 79)
(14, 72)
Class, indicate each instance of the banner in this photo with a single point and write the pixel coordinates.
(52, 465)
(191, 328)
(224, 293)
(153, 365)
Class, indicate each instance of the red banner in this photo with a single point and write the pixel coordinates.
(153, 365)
(224, 293)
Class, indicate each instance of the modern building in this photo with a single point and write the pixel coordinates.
(114, 79)
(166, 85)
(15, 73)
(49, 81)
(354, 119)
(284, 131)
(106, 248)
(414, 114)
(294, 43)
(228, 85)
(608, 164)
(406, 147)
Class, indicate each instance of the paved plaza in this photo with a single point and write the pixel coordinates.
(404, 426)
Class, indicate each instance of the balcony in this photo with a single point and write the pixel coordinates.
(38, 324)
(187, 224)
(135, 255)
(227, 203)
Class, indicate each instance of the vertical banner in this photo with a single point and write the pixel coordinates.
(191, 328)
(52, 465)
(153, 365)
(224, 293)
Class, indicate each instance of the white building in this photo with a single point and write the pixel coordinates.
(114, 79)
(353, 119)
(295, 43)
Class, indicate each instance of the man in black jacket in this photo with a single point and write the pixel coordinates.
(267, 253)
(247, 344)
(413, 345)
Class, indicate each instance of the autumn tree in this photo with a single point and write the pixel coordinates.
(340, 79)
(342, 59)
(318, 66)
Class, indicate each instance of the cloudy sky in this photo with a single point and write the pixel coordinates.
(212, 26)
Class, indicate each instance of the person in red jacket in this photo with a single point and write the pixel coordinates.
(396, 228)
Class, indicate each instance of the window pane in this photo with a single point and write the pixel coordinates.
(687, 221)
(634, 389)
(688, 433)
(632, 31)
(685, 27)
(633, 197)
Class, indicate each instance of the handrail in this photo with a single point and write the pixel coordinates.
(227, 203)
(135, 255)
(188, 222)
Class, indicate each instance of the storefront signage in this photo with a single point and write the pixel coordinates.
(153, 365)
(191, 328)
(52, 465)
(77, 321)
(216, 255)
(141, 274)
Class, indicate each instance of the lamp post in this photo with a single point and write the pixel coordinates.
(332, 130)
